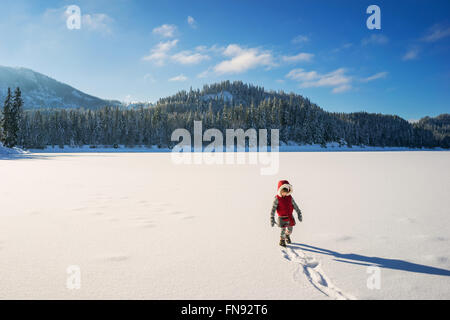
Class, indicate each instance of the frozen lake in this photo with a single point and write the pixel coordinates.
(139, 226)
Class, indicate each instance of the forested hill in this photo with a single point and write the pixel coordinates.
(226, 93)
(229, 105)
(440, 126)
(302, 121)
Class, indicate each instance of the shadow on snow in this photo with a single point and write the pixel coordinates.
(375, 261)
(26, 156)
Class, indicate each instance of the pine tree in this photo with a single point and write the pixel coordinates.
(7, 120)
(16, 116)
(3, 117)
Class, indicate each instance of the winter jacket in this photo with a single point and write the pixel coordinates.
(284, 206)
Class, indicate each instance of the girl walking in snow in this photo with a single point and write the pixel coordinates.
(284, 205)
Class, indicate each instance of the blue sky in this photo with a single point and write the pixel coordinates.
(142, 50)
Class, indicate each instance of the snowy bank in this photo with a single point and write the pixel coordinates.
(10, 151)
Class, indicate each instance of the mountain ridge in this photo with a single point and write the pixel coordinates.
(41, 91)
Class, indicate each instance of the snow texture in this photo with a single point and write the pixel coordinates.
(141, 227)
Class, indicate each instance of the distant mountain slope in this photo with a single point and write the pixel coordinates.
(40, 91)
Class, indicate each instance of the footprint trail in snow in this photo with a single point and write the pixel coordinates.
(310, 267)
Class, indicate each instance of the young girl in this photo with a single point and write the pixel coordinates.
(284, 204)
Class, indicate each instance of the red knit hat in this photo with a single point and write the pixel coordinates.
(284, 184)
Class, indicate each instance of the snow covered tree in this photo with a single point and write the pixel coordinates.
(11, 119)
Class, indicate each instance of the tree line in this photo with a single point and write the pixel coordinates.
(299, 121)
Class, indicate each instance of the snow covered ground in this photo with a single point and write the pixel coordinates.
(139, 226)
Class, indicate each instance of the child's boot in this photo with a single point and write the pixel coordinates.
(288, 239)
(282, 242)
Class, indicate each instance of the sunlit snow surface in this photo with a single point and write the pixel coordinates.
(141, 227)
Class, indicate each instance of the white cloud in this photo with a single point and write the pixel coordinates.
(377, 39)
(336, 79)
(342, 88)
(166, 30)
(302, 75)
(214, 49)
(191, 21)
(301, 57)
(333, 79)
(300, 39)
(180, 77)
(159, 54)
(379, 75)
(411, 54)
(187, 57)
(201, 48)
(96, 22)
(436, 33)
(233, 50)
(243, 59)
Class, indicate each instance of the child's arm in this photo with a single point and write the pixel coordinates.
(297, 209)
(272, 212)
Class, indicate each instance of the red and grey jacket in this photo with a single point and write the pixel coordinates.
(284, 206)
